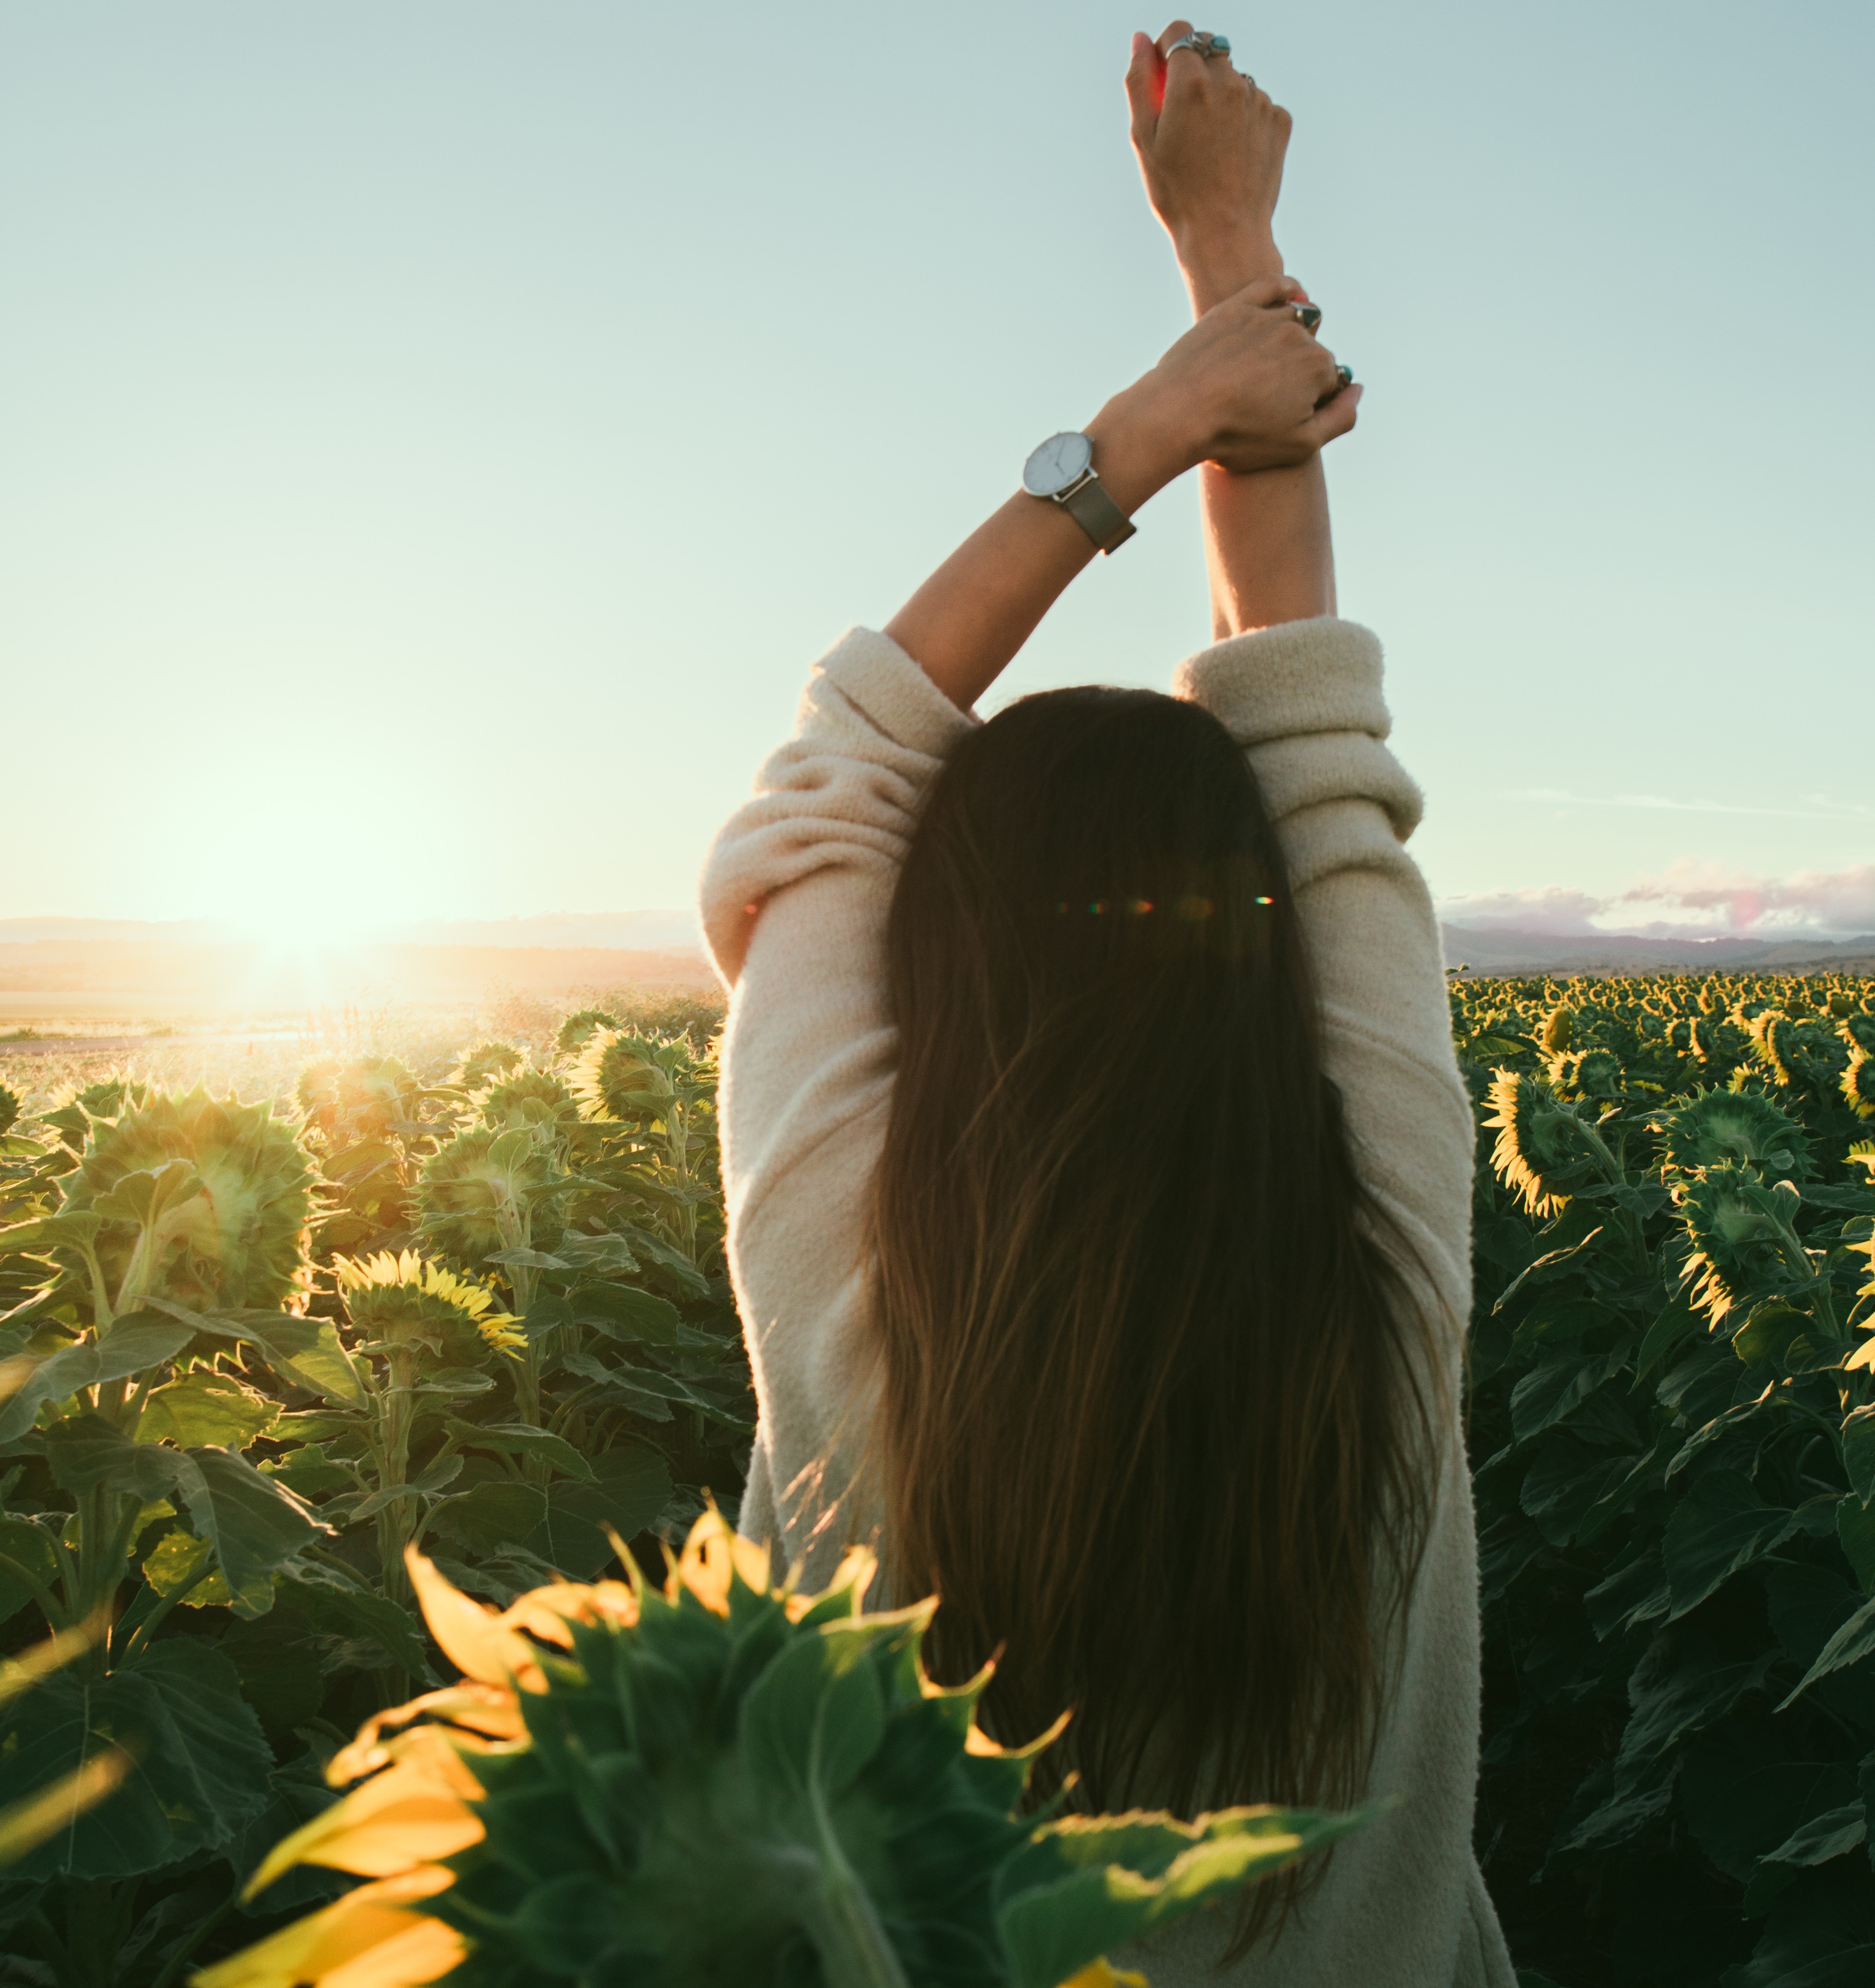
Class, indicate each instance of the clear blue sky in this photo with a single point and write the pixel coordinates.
(438, 436)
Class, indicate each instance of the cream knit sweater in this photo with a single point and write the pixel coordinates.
(795, 896)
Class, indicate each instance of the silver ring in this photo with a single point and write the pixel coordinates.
(1308, 316)
(1200, 44)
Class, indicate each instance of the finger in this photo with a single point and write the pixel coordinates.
(1146, 88)
(1176, 31)
(1332, 419)
(1264, 293)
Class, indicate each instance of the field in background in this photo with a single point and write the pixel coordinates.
(46, 1053)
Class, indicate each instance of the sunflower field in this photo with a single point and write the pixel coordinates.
(307, 1405)
(1672, 1425)
(251, 1354)
(323, 1421)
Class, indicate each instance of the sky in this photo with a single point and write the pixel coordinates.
(438, 438)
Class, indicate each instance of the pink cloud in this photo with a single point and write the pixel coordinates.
(1686, 900)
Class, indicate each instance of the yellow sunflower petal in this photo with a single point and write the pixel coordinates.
(314, 1949)
(546, 1611)
(470, 1636)
(712, 1555)
(487, 1710)
(425, 1952)
(1102, 1974)
(416, 1811)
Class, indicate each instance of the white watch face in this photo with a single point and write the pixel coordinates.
(1056, 464)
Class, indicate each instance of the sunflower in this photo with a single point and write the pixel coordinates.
(398, 1297)
(719, 1781)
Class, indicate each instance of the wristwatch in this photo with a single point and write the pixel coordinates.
(1062, 470)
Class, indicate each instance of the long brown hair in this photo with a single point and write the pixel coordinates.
(1154, 1419)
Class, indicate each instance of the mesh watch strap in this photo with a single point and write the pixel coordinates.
(1096, 513)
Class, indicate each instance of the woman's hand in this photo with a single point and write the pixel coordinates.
(1247, 388)
(1210, 146)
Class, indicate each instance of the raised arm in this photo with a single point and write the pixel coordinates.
(1246, 386)
(1210, 146)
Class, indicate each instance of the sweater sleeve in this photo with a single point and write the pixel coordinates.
(796, 892)
(1304, 699)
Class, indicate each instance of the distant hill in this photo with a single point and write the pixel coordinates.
(103, 977)
(1499, 951)
(638, 931)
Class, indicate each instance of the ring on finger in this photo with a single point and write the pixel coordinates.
(1345, 374)
(1308, 316)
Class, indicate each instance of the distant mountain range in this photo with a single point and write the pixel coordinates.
(1498, 950)
(632, 931)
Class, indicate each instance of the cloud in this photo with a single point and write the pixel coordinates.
(1688, 900)
(1563, 914)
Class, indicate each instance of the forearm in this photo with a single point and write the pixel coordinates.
(965, 623)
(1267, 547)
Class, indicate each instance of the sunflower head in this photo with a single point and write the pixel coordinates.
(671, 1784)
(528, 1097)
(1558, 1028)
(1859, 1084)
(576, 1028)
(1733, 1127)
(1581, 1074)
(359, 1099)
(204, 1201)
(487, 1189)
(10, 1108)
(486, 1061)
(1734, 1225)
(1541, 1149)
(623, 1077)
(395, 1300)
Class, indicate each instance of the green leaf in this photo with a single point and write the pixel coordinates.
(1632, 1594)
(199, 1770)
(1849, 1645)
(522, 1439)
(815, 1715)
(308, 1472)
(1720, 1525)
(1683, 1683)
(375, 1633)
(1549, 1393)
(631, 1487)
(1859, 1451)
(205, 1408)
(1662, 1337)
(1083, 1886)
(1742, 1797)
(28, 1542)
(85, 1452)
(172, 1565)
(1833, 1833)
(281, 1674)
(490, 1516)
(308, 1350)
(255, 1524)
(622, 1311)
(128, 1348)
(1855, 1527)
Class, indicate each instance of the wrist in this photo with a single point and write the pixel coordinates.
(1217, 263)
(1142, 443)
